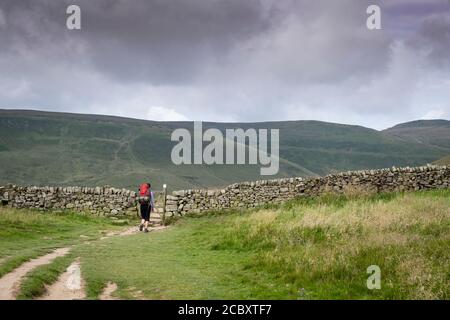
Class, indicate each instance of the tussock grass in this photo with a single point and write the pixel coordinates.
(317, 244)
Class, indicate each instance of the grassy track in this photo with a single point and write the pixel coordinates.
(26, 234)
(35, 281)
(175, 264)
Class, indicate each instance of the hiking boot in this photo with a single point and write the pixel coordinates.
(141, 226)
(146, 230)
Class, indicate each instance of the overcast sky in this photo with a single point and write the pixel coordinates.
(229, 60)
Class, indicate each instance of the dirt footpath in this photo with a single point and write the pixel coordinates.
(108, 291)
(69, 286)
(10, 283)
(130, 231)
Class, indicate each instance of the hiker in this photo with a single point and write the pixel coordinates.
(145, 199)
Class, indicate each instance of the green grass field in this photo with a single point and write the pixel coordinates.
(305, 249)
(26, 234)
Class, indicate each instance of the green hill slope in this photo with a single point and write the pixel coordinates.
(72, 149)
(429, 132)
(443, 161)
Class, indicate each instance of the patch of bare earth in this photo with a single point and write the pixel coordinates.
(69, 286)
(130, 231)
(136, 294)
(110, 288)
(10, 283)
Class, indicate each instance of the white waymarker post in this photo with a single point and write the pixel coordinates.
(164, 204)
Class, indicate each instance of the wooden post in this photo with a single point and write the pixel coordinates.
(164, 205)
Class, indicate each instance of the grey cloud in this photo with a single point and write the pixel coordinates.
(157, 41)
(228, 60)
(167, 41)
(175, 41)
(434, 39)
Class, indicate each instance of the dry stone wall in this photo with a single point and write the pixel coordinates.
(253, 194)
(97, 200)
(113, 201)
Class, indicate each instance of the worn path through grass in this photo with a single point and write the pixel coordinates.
(305, 249)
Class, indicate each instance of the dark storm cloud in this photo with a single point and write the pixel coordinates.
(176, 41)
(426, 24)
(229, 60)
(434, 38)
(160, 41)
(169, 41)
